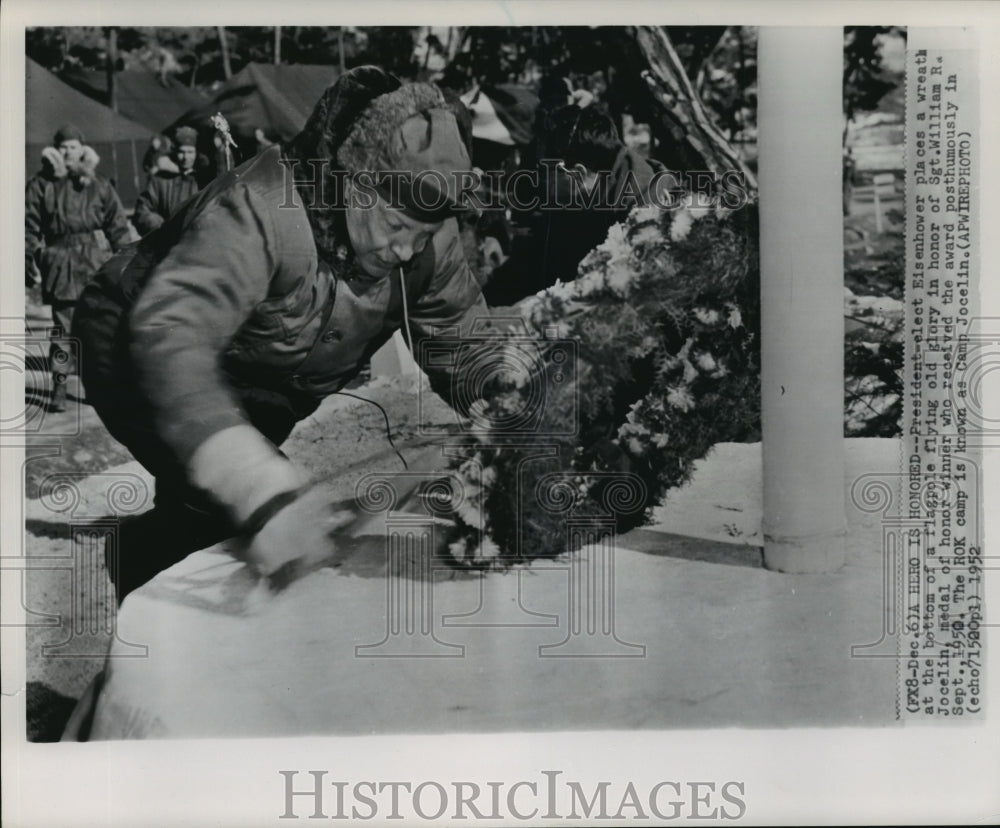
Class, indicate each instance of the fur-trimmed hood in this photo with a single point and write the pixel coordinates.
(54, 166)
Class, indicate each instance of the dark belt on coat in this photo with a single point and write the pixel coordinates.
(76, 239)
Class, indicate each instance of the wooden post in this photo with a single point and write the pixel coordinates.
(111, 59)
(802, 283)
(227, 68)
(681, 108)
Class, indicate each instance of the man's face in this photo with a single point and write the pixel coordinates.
(186, 157)
(72, 151)
(384, 238)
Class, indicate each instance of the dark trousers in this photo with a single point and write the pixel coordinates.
(62, 359)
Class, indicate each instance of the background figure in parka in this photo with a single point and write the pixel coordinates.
(263, 295)
(590, 154)
(73, 220)
(175, 179)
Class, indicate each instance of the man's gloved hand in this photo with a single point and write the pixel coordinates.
(296, 538)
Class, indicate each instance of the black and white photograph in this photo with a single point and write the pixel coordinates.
(513, 412)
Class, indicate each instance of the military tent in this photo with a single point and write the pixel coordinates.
(503, 114)
(141, 95)
(275, 99)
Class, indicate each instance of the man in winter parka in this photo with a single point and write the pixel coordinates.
(170, 185)
(73, 220)
(232, 321)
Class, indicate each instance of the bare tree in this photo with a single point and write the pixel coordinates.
(227, 68)
(681, 110)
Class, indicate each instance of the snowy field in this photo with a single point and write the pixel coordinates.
(685, 643)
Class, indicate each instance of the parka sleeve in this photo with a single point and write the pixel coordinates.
(34, 239)
(450, 322)
(146, 218)
(190, 309)
(115, 221)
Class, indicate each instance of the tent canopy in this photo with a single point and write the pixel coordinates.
(515, 107)
(51, 103)
(141, 95)
(276, 99)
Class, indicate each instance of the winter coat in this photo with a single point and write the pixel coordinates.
(72, 223)
(204, 344)
(163, 195)
(231, 293)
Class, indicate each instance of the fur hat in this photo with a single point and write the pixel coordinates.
(68, 132)
(411, 130)
(185, 136)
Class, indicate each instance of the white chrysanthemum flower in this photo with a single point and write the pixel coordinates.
(699, 205)
(681, 225)
(647, 233)
(680, 398)
(621, 278)
(562, 290)
(705, 362)
(616, 243)
(690, 372)
(587, 283)
(633, 429)
(707, 316)
(735, 318)
(470, 471)
(468, 511)
(488, 550)
(660, 440)
(651, 212)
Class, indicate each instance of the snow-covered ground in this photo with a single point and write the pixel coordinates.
(687, 643)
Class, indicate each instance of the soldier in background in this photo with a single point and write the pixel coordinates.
(73, 219)
(172, 184)
(588, 148)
